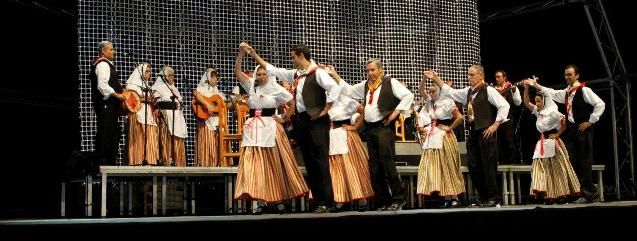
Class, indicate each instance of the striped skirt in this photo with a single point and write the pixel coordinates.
(350, 172)
(136, 142)
(270, 174)
(554, 177)
(178, 147)
(207, 147)
(439, 170)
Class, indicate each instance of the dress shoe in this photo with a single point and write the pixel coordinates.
(382, 208)
(321, 209)
(455, 204)
(257, 211)
(492, 203)
(397, 206)
(582, 200)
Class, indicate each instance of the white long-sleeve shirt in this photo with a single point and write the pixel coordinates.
(324, 80)
(372, 113)
(493, 96)
(590, 98)
(103, 72)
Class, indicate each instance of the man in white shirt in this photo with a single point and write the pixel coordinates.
(490, 109)
(507, 140)
(384, 99)
(583, 109)
(107, 98)
(314, 93)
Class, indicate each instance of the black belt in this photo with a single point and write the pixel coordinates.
(337, 124)
(380, 123)
(167, 105)
(264, 112)
(547, 133)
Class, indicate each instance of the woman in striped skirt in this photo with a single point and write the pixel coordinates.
(142, 128)
(268, 170)
(439, 171)
(172, 124)
(552, 176)
(349, 162)
(207, 146)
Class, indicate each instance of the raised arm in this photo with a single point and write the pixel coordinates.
(238, 70)
(527, 101)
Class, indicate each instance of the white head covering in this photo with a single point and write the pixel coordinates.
(549, 104)
(136, 77)
(204, 88)
(271, 87)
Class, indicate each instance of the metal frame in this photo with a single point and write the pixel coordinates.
(618, 78)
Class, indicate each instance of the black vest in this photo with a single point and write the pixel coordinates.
(508, 96)
(314, 97)
(387, 102)
(581, 110)
(484, 113)
(113, 82)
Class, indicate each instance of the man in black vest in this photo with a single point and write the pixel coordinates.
(384, 99)
(583, 108)
(489, 110)
(314, 91)
(107, 98)
(507, 140)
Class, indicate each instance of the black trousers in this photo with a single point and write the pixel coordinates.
(507, 144)
(483, 164)
(382, 169)
(313, 137)
(580, 152)
(108, 132)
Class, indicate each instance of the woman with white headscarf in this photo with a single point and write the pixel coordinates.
(268, 170)
(142, 121)
(552, 176)
(172, 125)
(207, 146)
(439, 173)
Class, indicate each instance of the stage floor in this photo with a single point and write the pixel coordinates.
(582, 219)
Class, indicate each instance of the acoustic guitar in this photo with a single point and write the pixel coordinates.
(200, 110)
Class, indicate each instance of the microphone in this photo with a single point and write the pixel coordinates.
(131, 54)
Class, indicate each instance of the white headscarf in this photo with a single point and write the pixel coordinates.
(136, 82)
(549, 104)
(271, 87)
(204, 88)
(136, 77)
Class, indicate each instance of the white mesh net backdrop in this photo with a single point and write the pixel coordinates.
(408, 35)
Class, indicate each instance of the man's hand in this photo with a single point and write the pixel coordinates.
(245, 47)
(444, 128)
(391, 117)
(490, 131)
(278, 119)
(582, 127)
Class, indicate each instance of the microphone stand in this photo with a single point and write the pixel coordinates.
(175, 100)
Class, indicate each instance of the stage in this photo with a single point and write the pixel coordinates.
(570, 220)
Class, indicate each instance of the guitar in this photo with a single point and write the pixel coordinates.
(200, 110)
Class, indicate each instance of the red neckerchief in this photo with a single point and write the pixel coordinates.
(503, 88)
(296, 80)
(475, 90)
(568, 93)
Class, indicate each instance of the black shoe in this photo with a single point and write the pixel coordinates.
(362, 208)
(281, 208)
(382, 208)
(582, 200)
(334, 209)
(397, 206)
(492, 203)
(321, 209)
(257, 211)
(455, 204)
